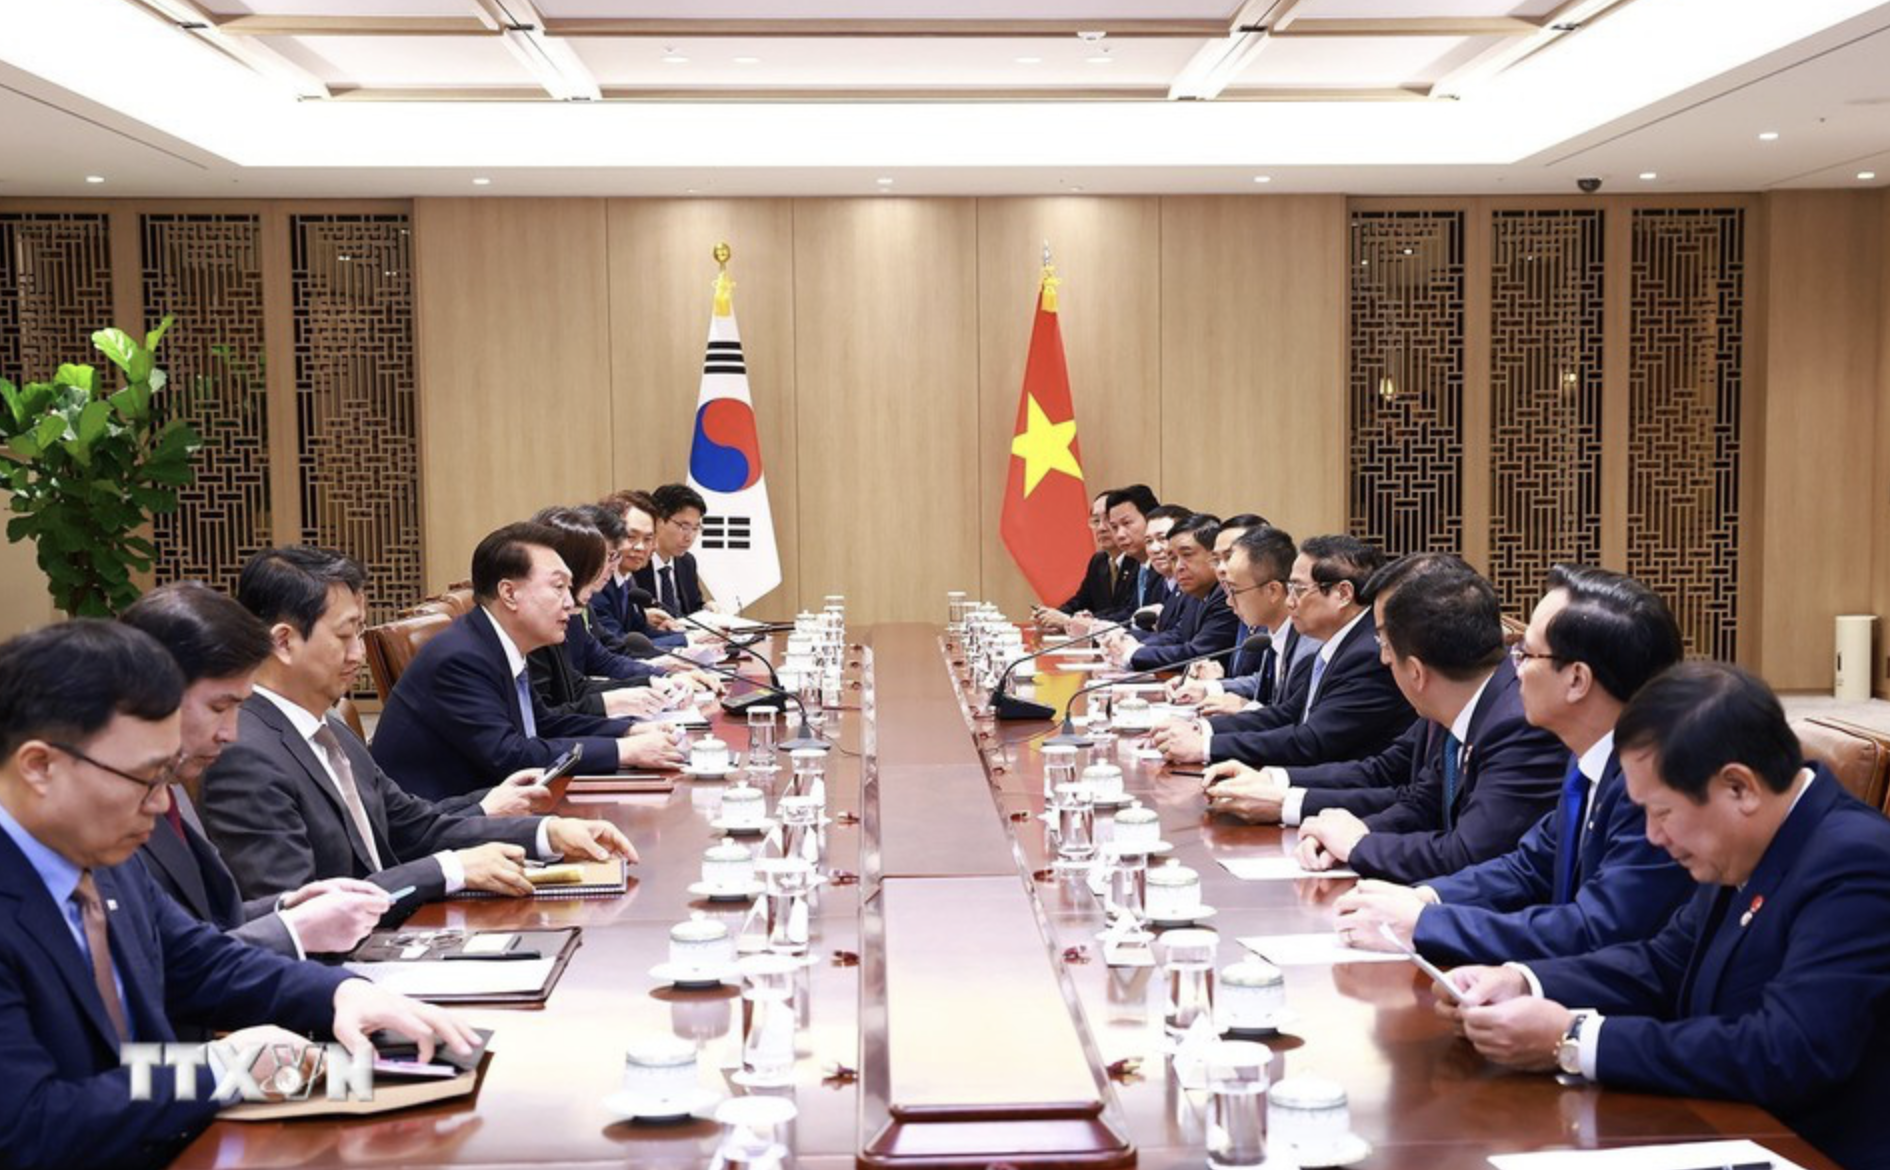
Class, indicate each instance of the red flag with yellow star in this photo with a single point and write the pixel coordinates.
(1046, 510)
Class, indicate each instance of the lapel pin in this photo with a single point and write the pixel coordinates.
(1758, 903)
(111, 903)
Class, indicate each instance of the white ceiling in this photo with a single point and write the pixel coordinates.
(1680, 88)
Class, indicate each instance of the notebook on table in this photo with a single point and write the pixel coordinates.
(571, 879)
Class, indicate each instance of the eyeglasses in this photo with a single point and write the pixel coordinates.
(166, 776)
(1518, 655)
(1299, 589)
(1233, 592)
(685, 526)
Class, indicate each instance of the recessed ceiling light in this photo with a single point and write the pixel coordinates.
(482, 182)
(748, 60)
(1029, 60)
(883, 182)
(675, 59)
(1866, 176)
(688, 190)
(1648, 176)
(95, 178)
(1263, 178)
(1768, 136)
(1076, 190)
(1100, 60)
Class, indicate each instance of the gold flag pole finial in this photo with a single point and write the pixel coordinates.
(724, 286)
(1050, 281)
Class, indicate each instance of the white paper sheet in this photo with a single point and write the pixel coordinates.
(1087, 666)
(1677, 1156)
(420, 980)
(1312, 950)
(1275, 868)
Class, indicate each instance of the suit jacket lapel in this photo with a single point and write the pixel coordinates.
(1748, 902)
(304, 754)
(172, 854)
(1501, 681)
(45, 924)
(496, 666)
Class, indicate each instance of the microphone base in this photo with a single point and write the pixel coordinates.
(739, 704)
(1009, 707)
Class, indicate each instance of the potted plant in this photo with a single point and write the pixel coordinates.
(88, 466)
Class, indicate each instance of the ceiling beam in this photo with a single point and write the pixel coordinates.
(354, 26)
(201, 24)
(1216, 64)
(1566, 19)
(1412, 26)
(1123, 93)
(554, 63)
(882, 29)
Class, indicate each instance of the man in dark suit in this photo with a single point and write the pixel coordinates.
(92, 954)
(671, 576)
(1204, 623)
(1478, 774)
(1585, 876)
(615, 614)
(1105, 585)
(1772, 983)
(298, 797)
(1253, 573)
(1341, 705)
(218, 645)
(1127, 510)
(464, 713)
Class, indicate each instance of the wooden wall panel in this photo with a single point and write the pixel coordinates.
(514, 354)
(886, 373)
(661, 274)
(1108, 254)
(1823, 403)
(1880, 484)
(1253, 349)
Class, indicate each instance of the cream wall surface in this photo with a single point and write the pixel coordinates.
(561, 346)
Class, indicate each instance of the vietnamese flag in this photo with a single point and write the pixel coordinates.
(1046, 509)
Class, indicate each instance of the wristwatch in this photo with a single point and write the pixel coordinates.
(1568, 1053)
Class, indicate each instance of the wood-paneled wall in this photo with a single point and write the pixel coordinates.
(561, 347)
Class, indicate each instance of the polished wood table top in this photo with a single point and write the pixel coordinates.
(956, 1009)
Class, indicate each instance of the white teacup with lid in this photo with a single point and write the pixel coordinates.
(1252, 998)
(728, 865)
(699, 945)
(1310, 1122)
(709, 756)
(660, 1077)
(1104, 782)
(1137, 827)
(744, 807)
(1174, 893)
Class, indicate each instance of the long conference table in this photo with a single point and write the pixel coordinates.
(956, 1011)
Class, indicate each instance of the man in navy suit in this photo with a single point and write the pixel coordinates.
(218, 645)
(615, 613)
(1341, 705)
(1253, 573)
(464, 714)
(1203, 623)
(1585, 876)
(1771, 985)
(92, 954)
(671, 576)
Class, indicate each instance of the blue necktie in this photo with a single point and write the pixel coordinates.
(1453, 749)
(526, 718)
(1568, 849)
(1312, 692)
(1269, 659)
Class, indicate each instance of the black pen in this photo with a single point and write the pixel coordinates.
(497, 956)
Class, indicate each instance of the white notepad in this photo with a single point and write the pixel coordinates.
(1676, 1156)
(424, 979)
(1276, 868)
(1312, 950)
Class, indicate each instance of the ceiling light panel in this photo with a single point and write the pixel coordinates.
(899, 63)
(338, 7)
(1390, 9)
(1357, 62)
(889, 9)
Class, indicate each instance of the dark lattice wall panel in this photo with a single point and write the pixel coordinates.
(55, 292)
(1545, 397)
(1405, 385)
(354, 397)
(1684, 387)
(206, 270)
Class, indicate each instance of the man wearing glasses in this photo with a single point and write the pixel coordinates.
(1586, 875)
(1254, 566)
(614, 613)
(92, 953)
(1345, 706)
(671, 576)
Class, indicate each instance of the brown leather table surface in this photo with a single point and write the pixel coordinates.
(952, 934)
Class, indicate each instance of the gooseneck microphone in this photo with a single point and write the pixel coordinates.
(1258, 643)
(1008, 706)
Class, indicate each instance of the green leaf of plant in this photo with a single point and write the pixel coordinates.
(152, 338)
(71, 375)
(50, 430)
(142, 362)
(93, 420)
(25, 445)
(14, 406)
(117, 345)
